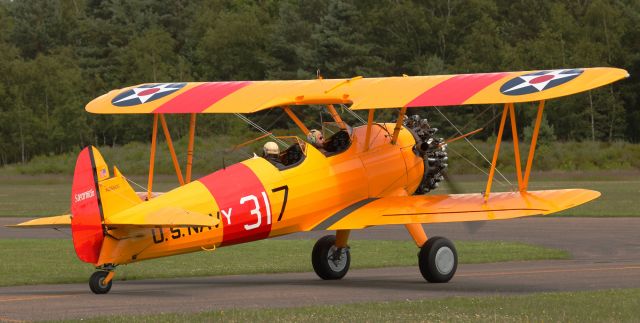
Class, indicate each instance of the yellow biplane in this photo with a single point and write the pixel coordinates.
(373, 174)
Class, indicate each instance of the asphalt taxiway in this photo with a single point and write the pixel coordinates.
(606, 254)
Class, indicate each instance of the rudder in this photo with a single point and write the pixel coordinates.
(95, 195)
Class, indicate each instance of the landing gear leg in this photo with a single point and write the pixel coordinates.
(417, 233)
(101, 281)
(331, 257)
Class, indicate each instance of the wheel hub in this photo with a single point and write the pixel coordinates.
(337, 258)
(444, 260)
(101, 283)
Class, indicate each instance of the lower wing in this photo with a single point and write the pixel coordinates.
(454, 208)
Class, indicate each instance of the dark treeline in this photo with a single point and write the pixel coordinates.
(56, 55)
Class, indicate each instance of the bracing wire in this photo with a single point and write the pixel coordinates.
(255, 125)
(474, 165)
(134, 183)
(472, 145)
(353, 113)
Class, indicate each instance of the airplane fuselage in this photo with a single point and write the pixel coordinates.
(254, 200)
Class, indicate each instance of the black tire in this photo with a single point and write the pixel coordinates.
(322, 257)
(434, 267)
(96, 282)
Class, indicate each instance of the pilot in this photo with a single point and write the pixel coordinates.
(271, 152)
(316, 139)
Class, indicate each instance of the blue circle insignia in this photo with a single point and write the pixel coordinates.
(145, 93)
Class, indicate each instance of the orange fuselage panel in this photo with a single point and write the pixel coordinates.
(254, 200)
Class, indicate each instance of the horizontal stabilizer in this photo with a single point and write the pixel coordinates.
(51, 222)
(165, 217)
(454, 208)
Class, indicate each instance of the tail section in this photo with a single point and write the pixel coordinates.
(101, 203)
(94, 196)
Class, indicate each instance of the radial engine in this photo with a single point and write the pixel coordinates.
(432, 149)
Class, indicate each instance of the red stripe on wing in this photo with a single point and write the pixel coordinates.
(199, 98)
(456, 90)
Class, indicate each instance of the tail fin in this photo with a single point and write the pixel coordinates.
(95, 195)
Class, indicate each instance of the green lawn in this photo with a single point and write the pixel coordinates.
(621, 305)
(39, 261)
(46, 195)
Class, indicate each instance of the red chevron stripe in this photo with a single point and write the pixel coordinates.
(199, 98)
(456, 90)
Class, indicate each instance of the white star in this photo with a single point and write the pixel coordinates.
(555, 75)
(144, 93)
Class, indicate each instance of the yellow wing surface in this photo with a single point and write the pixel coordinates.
(167, 217)
(362, 93)
(52, 222)
(454, 208)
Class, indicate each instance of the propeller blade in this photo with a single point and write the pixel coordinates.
(453, 186)
(473, 226)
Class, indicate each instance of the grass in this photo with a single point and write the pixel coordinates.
(52, 193)
(619, 191)
(621, 305)
(24, 260)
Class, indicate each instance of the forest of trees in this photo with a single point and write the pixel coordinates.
(57, 55)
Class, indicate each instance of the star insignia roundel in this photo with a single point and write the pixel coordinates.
(145, 93)
(538, 81)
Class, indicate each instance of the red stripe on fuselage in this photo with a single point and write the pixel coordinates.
(455, 90)
(199, 98)
(245, 209)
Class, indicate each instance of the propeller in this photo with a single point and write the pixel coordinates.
(472, 226)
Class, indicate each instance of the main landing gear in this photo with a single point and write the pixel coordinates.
(437, 259)
(100, 282)
(331, 257)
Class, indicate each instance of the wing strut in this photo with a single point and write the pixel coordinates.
(295, 119)
(336, 117)
(152, 157)
(174, 157)
(369, 124)
(192, 134)
(496, 151)
(396, 130)
(532, 148)
(523, 182)
(516, 148)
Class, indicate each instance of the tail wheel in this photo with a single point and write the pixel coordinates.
(96, 282)
(330, 262)
(438, 260)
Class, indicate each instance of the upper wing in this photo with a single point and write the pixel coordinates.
(454, 208)
(362, 93)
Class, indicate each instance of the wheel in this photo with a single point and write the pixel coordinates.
(96, 282)
(330, 262)
(438, 260)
